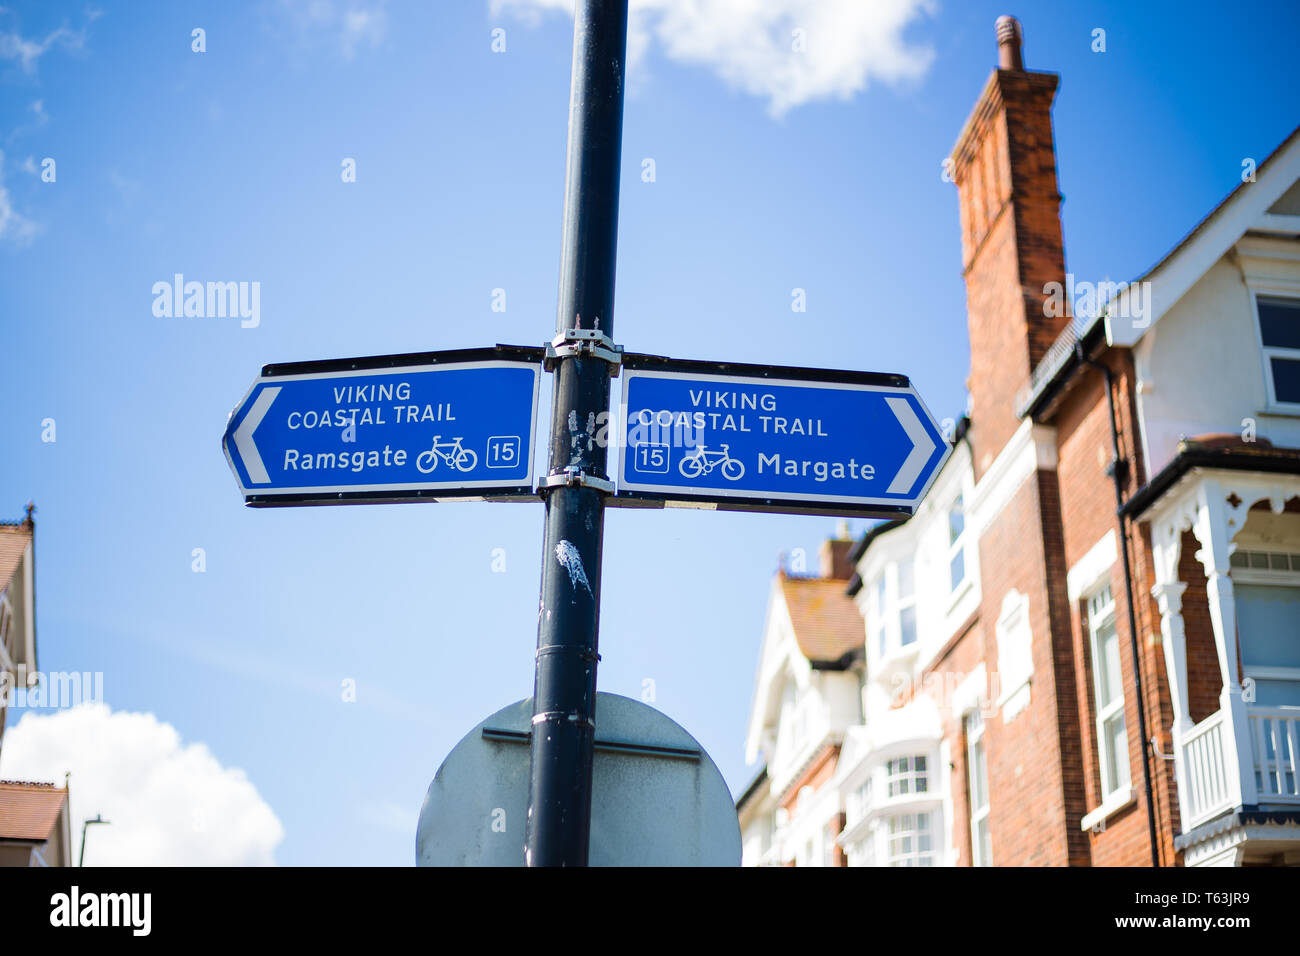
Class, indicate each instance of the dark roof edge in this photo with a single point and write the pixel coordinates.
(845, 660)
(1272, 460)
(1049, 389)
(859, 549)
(751, 788)
(1239, 817)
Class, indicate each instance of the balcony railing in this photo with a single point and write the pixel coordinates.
(1205, 777)
(1274, 735)
(1208, 790)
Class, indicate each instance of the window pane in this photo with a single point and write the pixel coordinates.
(906, 580)
(907, 625)
(979, 795)
(1100, 603)
(957, 569)
(956, 520)
(1109, 682)
(1117, 752)
(1268, 625)
(1279, 322)
(1286, 379)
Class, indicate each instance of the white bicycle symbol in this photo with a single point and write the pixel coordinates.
(703, 462)
(452, 452)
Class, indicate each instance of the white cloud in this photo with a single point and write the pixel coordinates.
(750, 44)
(14, 227)
(354, 23)
(27, 52)
(167, 803)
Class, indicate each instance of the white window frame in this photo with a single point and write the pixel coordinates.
(958, 544)
(860, 800)
(916, 856)
(1270, 352)
(973, 724)
(887, 606)
(909, 773)
(880, 622)
(1269, 577)
(903, 603)
(1101, 615)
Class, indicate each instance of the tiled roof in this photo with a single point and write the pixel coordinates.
(14, 539)
(30, 811)
(826, 622)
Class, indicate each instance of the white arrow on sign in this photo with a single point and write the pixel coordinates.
(922, 446)
(244, 436)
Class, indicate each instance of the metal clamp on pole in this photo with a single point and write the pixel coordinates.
(592, 343)
(574, 477)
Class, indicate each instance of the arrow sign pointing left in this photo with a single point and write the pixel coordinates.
(425, 427)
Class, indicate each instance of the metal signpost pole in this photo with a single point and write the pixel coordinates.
(564, 692)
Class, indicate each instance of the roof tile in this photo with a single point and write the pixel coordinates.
(30, 811)
(826, 622)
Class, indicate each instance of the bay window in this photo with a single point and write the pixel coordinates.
(906, 775)
(910, 839)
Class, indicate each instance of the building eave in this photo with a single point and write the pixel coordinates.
(1190, 455)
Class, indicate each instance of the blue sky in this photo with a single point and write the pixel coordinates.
(225, 165)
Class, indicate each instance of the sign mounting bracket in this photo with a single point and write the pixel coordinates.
(578, 343)
(575, 478)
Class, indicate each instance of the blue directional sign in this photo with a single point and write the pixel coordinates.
(431, 426)
(738, 437)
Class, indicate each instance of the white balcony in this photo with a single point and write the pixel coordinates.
(1206, 791)
(1208, 786)
(1238, 769)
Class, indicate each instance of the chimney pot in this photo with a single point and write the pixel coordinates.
(1009, 42)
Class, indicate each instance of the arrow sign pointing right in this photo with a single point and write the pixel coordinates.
(922, 447)
(767, 438)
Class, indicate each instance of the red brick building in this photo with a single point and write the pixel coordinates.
(1084, 648)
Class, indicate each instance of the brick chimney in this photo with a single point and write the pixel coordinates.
(1004, 165)
(834, 555)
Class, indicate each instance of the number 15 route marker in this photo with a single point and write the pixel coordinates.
(769, 438)
(431, 426)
